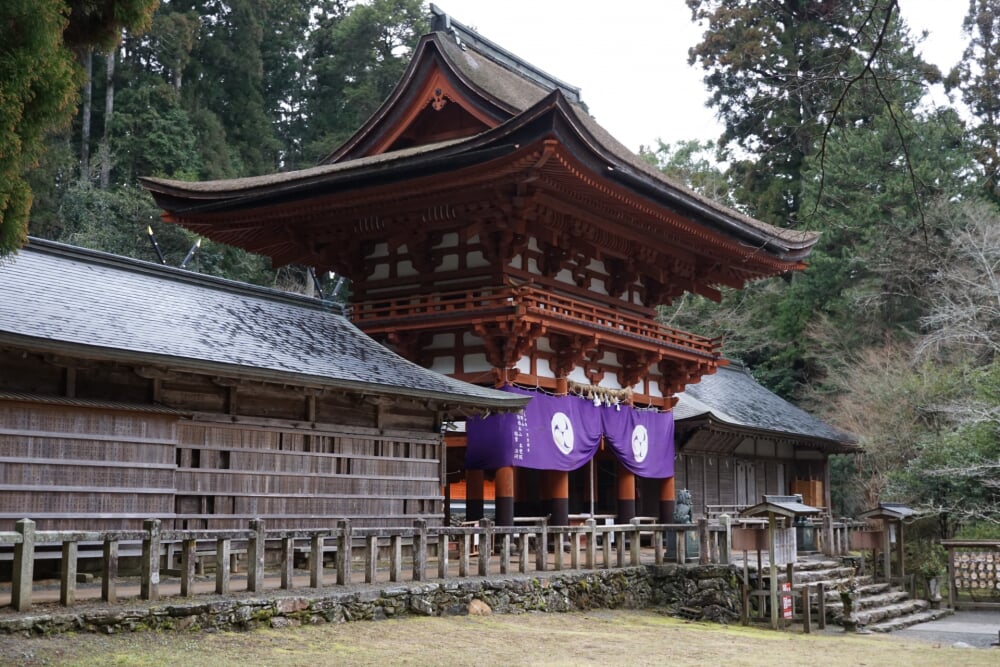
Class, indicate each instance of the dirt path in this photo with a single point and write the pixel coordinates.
(591, 638)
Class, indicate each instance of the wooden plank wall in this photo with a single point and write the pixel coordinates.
(230, 473)
(711, 478)
(81, 468)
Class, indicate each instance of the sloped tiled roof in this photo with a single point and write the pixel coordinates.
(70, 300)
(732, 397)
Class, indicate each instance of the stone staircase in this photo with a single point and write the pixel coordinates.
(879, 606)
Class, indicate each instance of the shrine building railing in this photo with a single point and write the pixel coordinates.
(431, 311)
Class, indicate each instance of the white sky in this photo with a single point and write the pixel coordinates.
(629, 57)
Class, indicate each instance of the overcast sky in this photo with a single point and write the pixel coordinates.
(630, 57)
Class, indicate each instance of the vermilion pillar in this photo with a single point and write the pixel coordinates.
(626, 495)
(473, 495)
(558, 483)
(668, 502)
(505, 496)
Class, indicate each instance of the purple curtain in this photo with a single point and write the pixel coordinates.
(563, 433)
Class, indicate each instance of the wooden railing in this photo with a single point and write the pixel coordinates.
(973, 573)
(428, 309)
(479, 551)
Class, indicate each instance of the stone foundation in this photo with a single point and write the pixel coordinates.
(710, 592)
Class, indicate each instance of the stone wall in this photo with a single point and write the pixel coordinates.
(710, 592)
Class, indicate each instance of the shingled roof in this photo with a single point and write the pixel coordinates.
(732, 398)
(59, 298)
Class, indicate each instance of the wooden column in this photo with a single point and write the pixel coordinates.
(473, 495)
(626, 495)
(505, 496)
(668, 502)
(558, 485)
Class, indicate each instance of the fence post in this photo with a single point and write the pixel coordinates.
(67, 574)
(485, 547)
(821, 605)
(371, 558)
(726, 550)
(109, 588)
(24, 566)
(287, 563)
(344, 542)
(255, 556)
(542, 546)
(505, 554)
(316, 541)
(635, 555)
(704, 544)
(681, 538)
(222, 565)
(828, 545)
(658, 538)
(522, 553)
(188, 557)
(149, 586)
(806, 610)
(420, 551)
(574, 558)
(443, 555)
(591, 559)
(396, 558)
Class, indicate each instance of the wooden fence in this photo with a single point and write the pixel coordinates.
(479, 551)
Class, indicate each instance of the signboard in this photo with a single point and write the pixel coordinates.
(784, 546)
(786, 600)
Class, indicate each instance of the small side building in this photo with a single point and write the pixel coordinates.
(737, 440)
(129, 391)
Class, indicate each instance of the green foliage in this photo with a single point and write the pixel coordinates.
(154, 135)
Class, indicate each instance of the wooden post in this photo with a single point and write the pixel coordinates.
(620, 539)
(542, 546)
(806, 610)
(345, 542)
(626, 495)
(522, 553)
(67, 574)
(109, 574)
(287, 563)
(187, 567)
(485, 547)
(658, 538)
(505, 554)
(726, 550)
(223, 548)
(681, 554)
(606, 549)
(668, 502)
(371, 558)
(149, 585)
(464, 547)
(886, 550)
(951, 577)
(821, 605)
(559, 547)
(574, 561)
(396, 558)
(829, 546)
(316, 542)
(420, 551)
(442, 556)
(636, 555)
(24, 566)
(558, 483)
(473, 495)
(591, 544)
(704, 545)
(504, 485)
(255, 557)
(772, 527)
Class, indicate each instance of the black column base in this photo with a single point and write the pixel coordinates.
(559, 511)
(626, 511)
(505, 511)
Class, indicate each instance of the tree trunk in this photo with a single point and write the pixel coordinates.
(85, 109)
(109, 108)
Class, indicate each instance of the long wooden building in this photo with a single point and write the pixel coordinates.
(494, 232)
(130, 391)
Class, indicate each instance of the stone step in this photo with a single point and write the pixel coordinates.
(864, 591)
(875, 601)
(874, 615)
(908, 620)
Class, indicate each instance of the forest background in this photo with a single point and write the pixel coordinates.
(892, 332)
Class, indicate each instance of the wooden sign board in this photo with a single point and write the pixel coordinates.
(866, 539)
(785, 547)
(750, 539)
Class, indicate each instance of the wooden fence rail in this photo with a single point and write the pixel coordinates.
(479, 550)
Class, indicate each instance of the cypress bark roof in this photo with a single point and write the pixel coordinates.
(733, 398)
(69, 300)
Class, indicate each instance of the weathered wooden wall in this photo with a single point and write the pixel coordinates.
(98, 445)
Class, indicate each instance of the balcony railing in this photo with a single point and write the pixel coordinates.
(431, 311)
